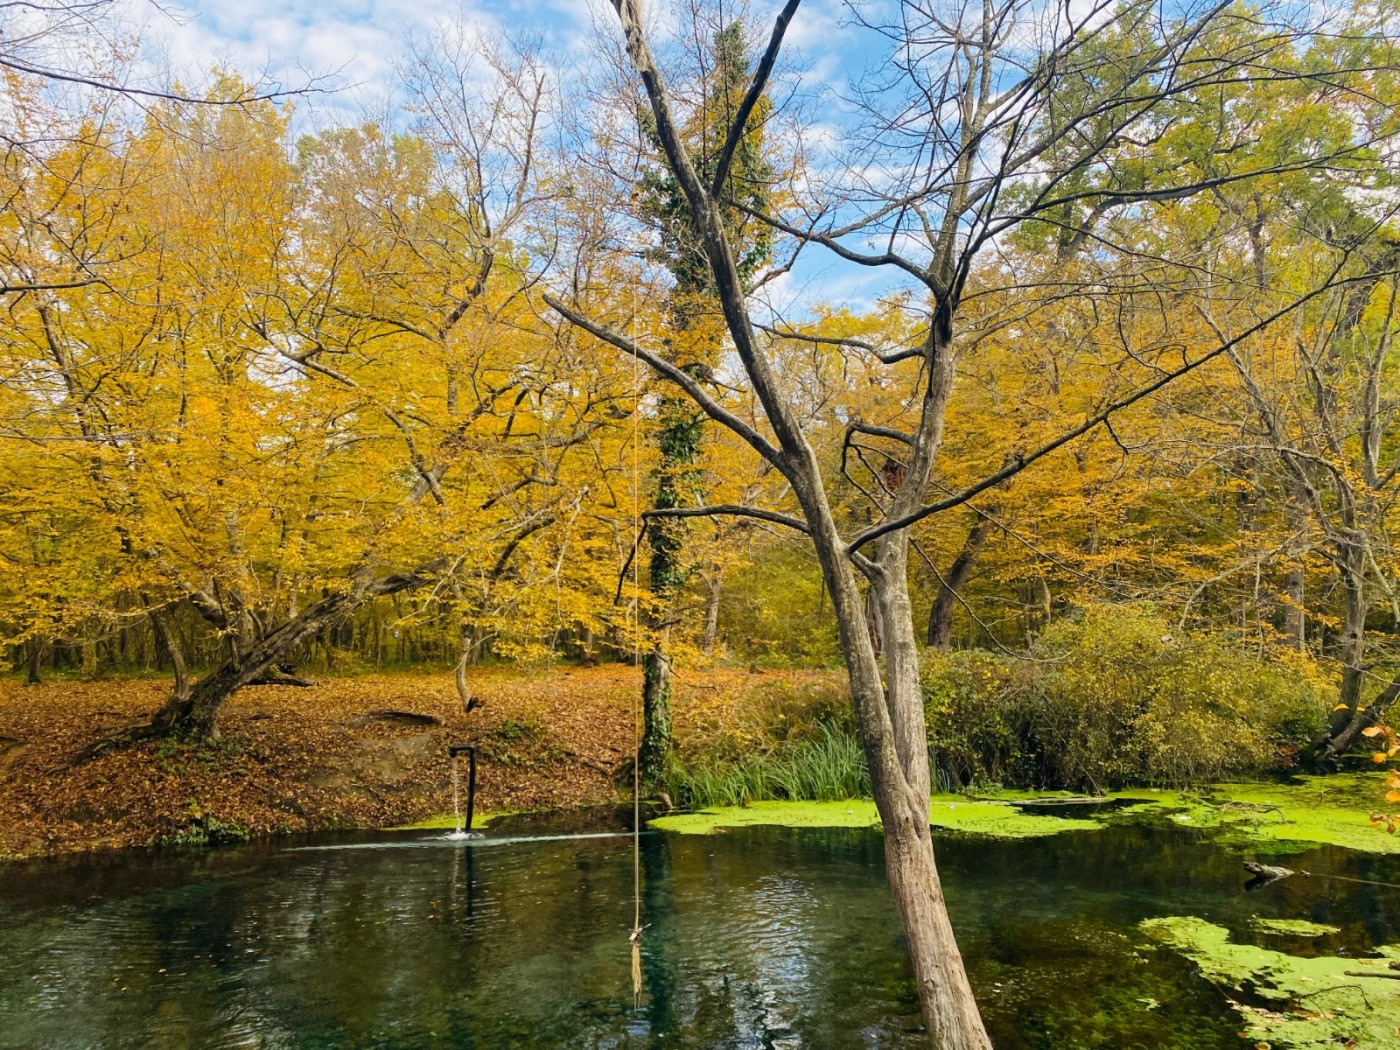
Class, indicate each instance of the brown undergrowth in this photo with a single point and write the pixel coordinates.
(299, 760)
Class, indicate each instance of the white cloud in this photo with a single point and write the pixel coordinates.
(350, 45)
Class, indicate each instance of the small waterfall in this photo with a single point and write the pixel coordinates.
(462, 824)
(456, 796)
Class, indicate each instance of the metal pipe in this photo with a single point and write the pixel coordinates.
(453, 750)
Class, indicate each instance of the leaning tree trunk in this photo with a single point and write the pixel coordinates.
(894, 737)
(940, 619)
(197, 714)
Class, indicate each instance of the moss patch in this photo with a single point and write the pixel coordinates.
(1285, 1000)
(448, 821)
(856, 813)
(1000, 819)
(1295, 927)
(1285, 818)
(952, 812)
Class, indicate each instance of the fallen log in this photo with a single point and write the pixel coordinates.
(285, 679)
(411, 718)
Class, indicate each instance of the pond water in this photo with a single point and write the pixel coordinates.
(757, 937)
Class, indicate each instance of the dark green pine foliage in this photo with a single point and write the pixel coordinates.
(694, 344)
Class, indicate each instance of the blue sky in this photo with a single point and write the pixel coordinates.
(359, 39)
(355, 43)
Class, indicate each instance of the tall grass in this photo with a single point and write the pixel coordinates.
(824, 768)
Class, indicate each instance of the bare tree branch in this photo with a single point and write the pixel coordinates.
(751, 97)
(661, 366)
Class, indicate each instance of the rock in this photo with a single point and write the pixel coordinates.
(1264, 874)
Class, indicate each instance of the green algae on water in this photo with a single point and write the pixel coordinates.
(1285, 1000)
(1295, 927)
(1260, 818)
(951, 812)
(1000, 819)
(1287, 818)
(854, 813)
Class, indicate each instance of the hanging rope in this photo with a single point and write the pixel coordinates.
(636, 936)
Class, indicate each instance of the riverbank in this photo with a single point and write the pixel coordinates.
(353, 752)
(371, 752)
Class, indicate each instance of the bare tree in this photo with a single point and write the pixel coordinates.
(1321, 436)
(87, 45)
(984, 117)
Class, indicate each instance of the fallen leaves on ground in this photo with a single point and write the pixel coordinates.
(299, 760)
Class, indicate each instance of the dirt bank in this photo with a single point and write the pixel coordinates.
(296, 760)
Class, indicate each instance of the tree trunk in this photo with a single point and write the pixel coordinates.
(944, 991)
(1374, 712)
(1295, 583)
(459, 680)
(940, 619)
(896, 747)
(1295, 627)
(467, 643)
(676, 475)
(33, 660)
(894, 737)
(170, 641)
(327, 640)
(656, 715)
(873, 626)
(1349, 718)
(716, 582)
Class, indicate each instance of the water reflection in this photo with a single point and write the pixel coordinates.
(761, 937)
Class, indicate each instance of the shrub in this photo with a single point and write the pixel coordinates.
(1122, 698)
(1114, 696)
(769, 711)
(201, 828)
(972, 710)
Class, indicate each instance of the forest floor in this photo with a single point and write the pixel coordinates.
(293, 760)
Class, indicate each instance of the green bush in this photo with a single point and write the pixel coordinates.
(1113, 696)
(972, 709)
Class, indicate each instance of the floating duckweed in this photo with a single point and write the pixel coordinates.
(1284, 1000)
(952, 812)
